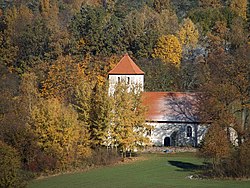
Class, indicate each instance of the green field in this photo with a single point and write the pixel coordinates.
(160, 170)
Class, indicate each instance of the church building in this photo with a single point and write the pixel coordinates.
(172, 115)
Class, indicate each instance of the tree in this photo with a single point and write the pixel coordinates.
(159, 76)
(98, 29)
(128, 124)
(8, 52)
(33, 45)
(216, 145)
(240, 7)
(188, 34)
(17, 101)
(238, 34)
(226, 105)
(210, 3)
(82, 102)
(207, 18)
(14, 22)
(63, 76)
(168, 49)
(100, 115)
(161, 5)
(59, 133)
(141, 28)
(10, 166)
(191, 73)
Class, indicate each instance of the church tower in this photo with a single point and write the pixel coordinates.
(126, 71)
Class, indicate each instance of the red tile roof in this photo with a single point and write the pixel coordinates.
(126, 66)
(170, 106)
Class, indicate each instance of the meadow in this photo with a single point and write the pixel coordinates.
(158, 170)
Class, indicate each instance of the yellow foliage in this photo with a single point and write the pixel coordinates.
(240, 7)
(168, 49)
(128, 123)
(188, 33)
(58, 131)
(63, 77)
(81, 43)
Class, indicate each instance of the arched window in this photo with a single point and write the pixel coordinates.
(128, 80)
(189, 131)
(119, 79)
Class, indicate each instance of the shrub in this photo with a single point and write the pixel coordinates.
(102, 156)
(10, 167)
(235, 165)
(244, 158)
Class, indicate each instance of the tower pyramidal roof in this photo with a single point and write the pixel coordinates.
(126, 66)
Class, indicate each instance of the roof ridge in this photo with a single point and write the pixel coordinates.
(126, 66)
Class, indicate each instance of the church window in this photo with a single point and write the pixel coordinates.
(149, 133)
(189, 131)
(119, 79)
(128, 80)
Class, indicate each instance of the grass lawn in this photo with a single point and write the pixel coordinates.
(160, 170)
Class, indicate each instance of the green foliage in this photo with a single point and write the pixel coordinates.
(10, 167)
(99, 30)
(105, 33)
(207, 18)
(144, 44)
(8, 52)
(159, 76)
(210, 3)
(34, 45)
(182, 7)
(161, 5)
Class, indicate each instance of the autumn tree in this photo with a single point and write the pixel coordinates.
(63, 76)
(17, 101)
(210, 3)
(100, 116)
(159, 76)
(238, 33)
(188, 34)
(14, 22)
(168, 49)
(226, 103)
(142, 29)
(161, 5)
(59, 133)
(240, 7)
(10, 165)
(128, 128)
(216, 145)
(206, 18)
(191, 74)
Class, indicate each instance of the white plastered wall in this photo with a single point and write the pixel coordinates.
(128, 79)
